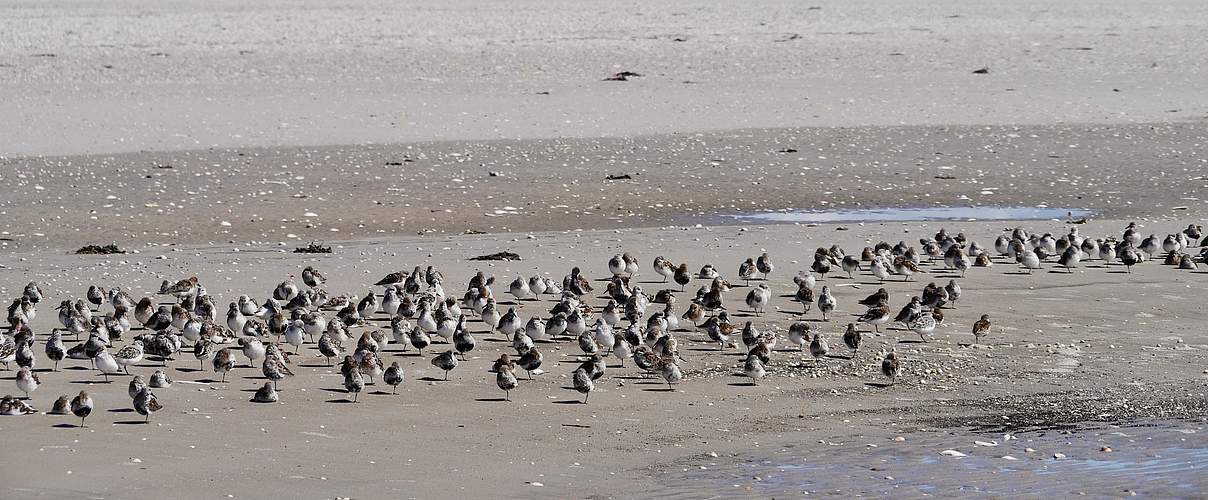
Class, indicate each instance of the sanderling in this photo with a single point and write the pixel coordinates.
(81, 406)
(582, 383)
(445, 361)
(670, 371)
(354, 381)
(753, 368)
(159, 380)
(818, 347)
(267, 393)
(393, 376)
(253, 349)
(505, 376)
(664, 268)
(758, 298)
(826, 303)
(61, 406)
(55, 351)
(136, 385)
(129, 355)
(27, 381)
(275, 369)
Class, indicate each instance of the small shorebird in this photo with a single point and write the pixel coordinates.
(758, 298)
(136, 385)
(826, 303)
(55, 351)
(159, 380)
(1029, 260)
(530, 360)
(851, 338)
(329, 348)
(106, 364)
(393, 376)
(1069, 259)
(753, 368)
(881, 296)
(445, 361)
(879, 269)
(27, 381)
(463, 341)
(583, 384)
(253, 349)
(905, 267)
(806, 296)
(682, 277)
(145, 403)
(354, 381)
(312, 277)
(61, 406)
(370, 364)
(670, 371)
(799, 334)
(890, 367)
(876, 316)
(819, 348)
(275, 369)
(664, 268)
(764, 265)
(981, 328)
(746, 270)
(923, 323)
(81, 406)
(505, 377)
(13, 406)
(954, 292)
(223, 362)
(267, 393)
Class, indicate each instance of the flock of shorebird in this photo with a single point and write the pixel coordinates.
(631, 325)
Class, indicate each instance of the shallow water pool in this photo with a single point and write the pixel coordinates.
(918, 214)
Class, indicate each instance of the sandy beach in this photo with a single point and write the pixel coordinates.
(210, 139)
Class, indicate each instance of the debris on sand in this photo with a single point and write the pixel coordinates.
(623, 76)
(313, 248)
(99, 250)
(615, 177)
(982, 71)
(786, 150)
(498, 256)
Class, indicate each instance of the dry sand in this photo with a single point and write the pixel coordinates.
(209, 138)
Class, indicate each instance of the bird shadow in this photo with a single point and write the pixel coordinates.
(339, 391)
(569, 402)
(209, 381)
(910, 341)
(341, 400)
(431, 379)
(742, 384)
(132, 422)
(188, 370)
(318, 365)
(878, 384)
(660, 389)
(90, 382)
(66, 426)
(76, 368)
(493, 400)
(381, 393)
(121, 410)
